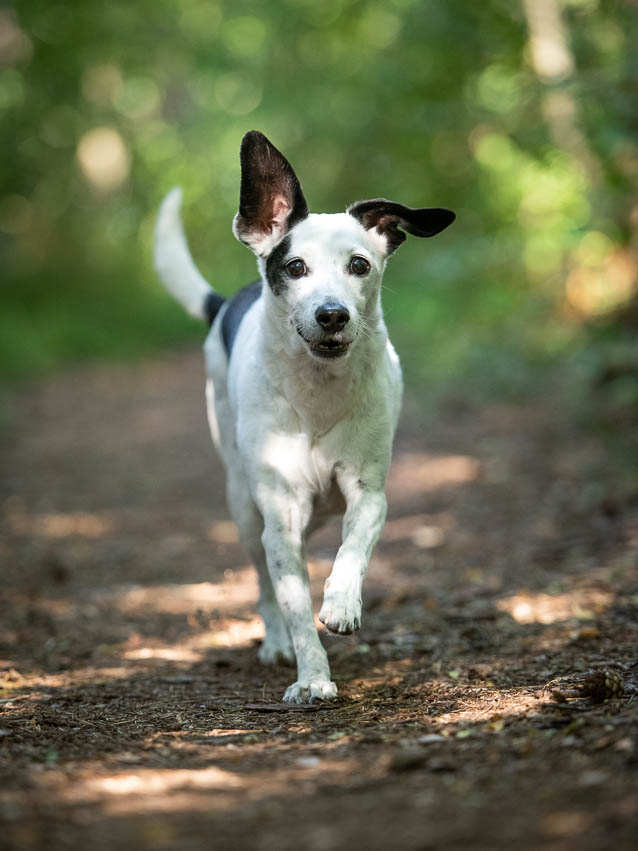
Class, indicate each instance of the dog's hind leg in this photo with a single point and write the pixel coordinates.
(276, 646)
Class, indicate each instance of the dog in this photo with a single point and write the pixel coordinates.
(303, 391)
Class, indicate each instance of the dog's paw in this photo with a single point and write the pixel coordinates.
(341, 613)
(276, 650)
(310, 691)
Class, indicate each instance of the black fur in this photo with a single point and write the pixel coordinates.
(275, 269)
(235, 312)
(212, 306)
(388, 216)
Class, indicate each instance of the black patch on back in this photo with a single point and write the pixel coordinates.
(212, 305)
(275, 270)
(237, 308)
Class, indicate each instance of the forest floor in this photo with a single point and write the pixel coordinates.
(490, 700)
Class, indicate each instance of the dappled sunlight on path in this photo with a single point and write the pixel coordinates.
(132, 704)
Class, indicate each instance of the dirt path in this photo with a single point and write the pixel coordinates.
(490, 700)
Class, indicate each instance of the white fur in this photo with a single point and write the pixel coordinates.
(173, 260)
(299, 435)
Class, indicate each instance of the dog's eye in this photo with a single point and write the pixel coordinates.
(296, 268)
(359, 265)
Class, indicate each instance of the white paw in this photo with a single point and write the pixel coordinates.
(276, 649)
(310, 691)
(341, 612)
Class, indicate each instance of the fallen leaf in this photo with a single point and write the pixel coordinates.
(585, 633)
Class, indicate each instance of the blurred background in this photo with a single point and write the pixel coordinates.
(520, 116)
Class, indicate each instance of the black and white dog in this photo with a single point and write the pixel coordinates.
(304, 390)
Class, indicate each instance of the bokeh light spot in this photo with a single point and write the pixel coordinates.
(138, 97)
(498, 89)
(494, 151)
(244, 36)
(237, 94)
(104, 158)
(598, 287)
(379, 29)
(15, 44)
(100, 83)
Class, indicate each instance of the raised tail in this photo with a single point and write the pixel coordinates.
(175, 265)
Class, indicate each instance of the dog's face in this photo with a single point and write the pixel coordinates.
(324, 270)
(326, 276)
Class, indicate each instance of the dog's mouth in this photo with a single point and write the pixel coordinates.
(326, 347)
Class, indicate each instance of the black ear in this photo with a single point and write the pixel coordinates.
(270, 199)
(387, 217)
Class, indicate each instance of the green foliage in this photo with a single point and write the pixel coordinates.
(107, 105)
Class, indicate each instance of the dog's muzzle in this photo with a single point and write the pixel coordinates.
(334, 346)
(331, 318)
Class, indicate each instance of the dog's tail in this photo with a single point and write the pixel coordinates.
(175, 265)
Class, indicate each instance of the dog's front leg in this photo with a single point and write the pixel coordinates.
(362, 524)
(285, 519)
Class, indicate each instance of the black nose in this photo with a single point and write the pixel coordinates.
(332, 317)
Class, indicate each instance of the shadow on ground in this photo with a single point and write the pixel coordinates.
(134, 714)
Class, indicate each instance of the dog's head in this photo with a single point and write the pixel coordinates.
(324, 270)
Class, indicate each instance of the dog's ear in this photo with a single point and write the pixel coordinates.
(387, 217)
(270, 199)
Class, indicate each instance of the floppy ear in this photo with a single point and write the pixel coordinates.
(387, 217)
(270, 199)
